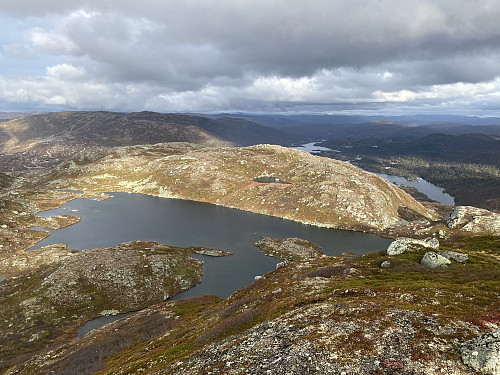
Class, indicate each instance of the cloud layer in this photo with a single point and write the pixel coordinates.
(252, 55)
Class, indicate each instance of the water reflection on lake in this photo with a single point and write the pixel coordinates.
(311, 148)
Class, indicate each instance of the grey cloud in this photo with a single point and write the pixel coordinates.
(292, 38)
(182, 48)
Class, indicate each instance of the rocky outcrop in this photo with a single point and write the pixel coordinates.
(483, 353)
(289, 248)
(476, 221)
(208, 252)
(282, 347)
(317, 187)
(404, 244)
(456, 256)
(53, 289)
(434, 260)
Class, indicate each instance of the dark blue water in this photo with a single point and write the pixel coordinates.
(129, 217)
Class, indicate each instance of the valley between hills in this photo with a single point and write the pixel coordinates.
(390, 311)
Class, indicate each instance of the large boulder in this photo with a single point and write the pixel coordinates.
(483, 353)
(404, 244)
(453, 255)
(473, 220)
(432, 259)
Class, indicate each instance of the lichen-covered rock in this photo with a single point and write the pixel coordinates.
(473, 220)
(453, 255)
(208, 252)
(434, 260)
(404, 244)
(483, 353)
(385, 264)
(283, 346)
(289, 248)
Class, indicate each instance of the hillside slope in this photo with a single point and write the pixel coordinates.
(106, 129)
(302, 187)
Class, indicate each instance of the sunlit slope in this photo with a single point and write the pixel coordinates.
(312, 189)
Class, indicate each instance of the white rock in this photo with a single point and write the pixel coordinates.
(434, 260)
(474, 220)
(453, 255)
(404, 244)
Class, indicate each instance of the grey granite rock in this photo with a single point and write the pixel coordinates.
(453, 255)
(483, 353)
(404, 244)
(432, 259)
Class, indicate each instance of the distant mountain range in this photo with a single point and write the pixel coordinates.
(50, 138)
(280, 121)
(121, 129)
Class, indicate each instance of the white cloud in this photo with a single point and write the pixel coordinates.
(450, 91)
(65, 72)
(52, 42)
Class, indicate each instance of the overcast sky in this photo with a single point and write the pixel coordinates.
(362, 56)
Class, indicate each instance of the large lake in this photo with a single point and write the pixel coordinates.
(129, 217)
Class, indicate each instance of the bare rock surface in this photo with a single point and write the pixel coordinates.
(282, 347)
(483, 353)
(432, 259)
(289, 248)
(472, 220)
(454, 255)
(404, 244)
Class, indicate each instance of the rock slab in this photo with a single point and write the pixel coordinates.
(483, 353)
(405, 244)
(473, 220)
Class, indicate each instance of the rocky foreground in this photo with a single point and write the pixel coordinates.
(329, 315)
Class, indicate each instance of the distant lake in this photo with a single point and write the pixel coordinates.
(434, 192)
(129, 217)
(312, 149)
